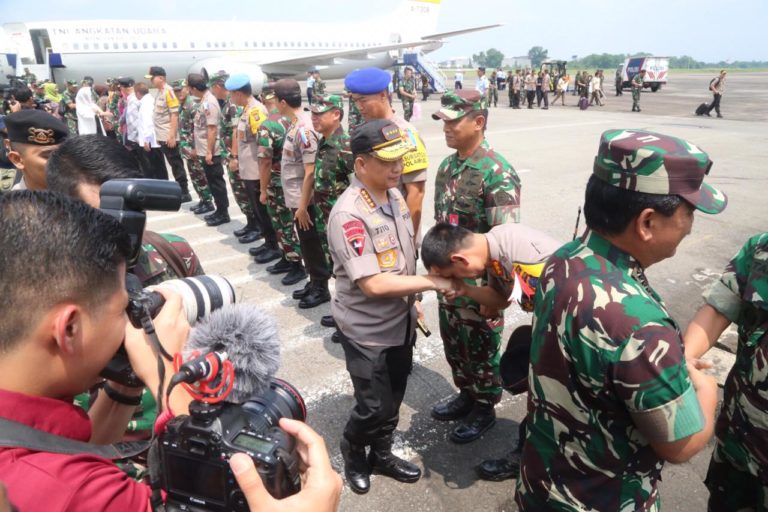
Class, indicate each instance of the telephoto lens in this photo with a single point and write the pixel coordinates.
(201, 294)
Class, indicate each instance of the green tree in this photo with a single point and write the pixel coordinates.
(493, 58)
(479, 59)
(537, 54)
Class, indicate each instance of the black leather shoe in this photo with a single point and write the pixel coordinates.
(336, 337)
(218, 219)
(328, 321)
(202, 207)
(300, 294)
(255, 251)
(250, 237)
(269, 254)
(356, 467)
(295, 274)
(497, 470)
(475, 424)
(281, 267)
(210, 215)
(316, 296)
(383, 461)
(456, 408)
(185, 197)
(243, 230)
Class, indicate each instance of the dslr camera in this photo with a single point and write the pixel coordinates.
(194, 450)
(127, 201)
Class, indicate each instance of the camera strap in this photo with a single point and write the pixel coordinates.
(18, 435)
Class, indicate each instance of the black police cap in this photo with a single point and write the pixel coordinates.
(35, 127)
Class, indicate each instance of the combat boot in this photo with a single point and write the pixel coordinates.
(497, 470)
(186, 197)
(295, 274)
(281, 267)
(383, 461)
(271, 253)
(218, 219)
(456, 408)
(482, 418)
(356, 467)
(319, 294)
(202, 207)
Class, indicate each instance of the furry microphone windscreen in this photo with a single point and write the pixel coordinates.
(249, 337)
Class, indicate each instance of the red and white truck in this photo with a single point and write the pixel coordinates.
(656, 71)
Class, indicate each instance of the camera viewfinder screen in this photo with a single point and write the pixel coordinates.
(253, 443)
(195, 477)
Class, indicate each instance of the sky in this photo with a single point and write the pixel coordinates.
(708, 30)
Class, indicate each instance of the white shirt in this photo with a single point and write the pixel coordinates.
(458, 77)
(482, 85)
(86, 111)
(132, 117)
(146, 125)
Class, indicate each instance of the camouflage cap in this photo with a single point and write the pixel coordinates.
(455, 105)
(322, 104)
(218, 77)
(657, 164)
(178, 84)
(72, 82)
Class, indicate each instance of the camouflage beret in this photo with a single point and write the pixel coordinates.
(322, 104)
(654, 163)
(455, 105)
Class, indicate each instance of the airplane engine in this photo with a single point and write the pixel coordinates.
(209, 67)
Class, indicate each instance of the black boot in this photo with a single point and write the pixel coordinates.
(456, 408)
(267, 255)
(383, 461)
(319, 294)
(255, 251)
(218, 219)
(475, 424)
(185, 197)
(202, 207)
(295, 274)
(356, 467)
(327, 321)
(249, 226)
(281, 267)
(497, 470)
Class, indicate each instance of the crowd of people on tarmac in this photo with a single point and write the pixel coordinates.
(615, 388)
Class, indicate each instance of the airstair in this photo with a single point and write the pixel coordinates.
(422, 65)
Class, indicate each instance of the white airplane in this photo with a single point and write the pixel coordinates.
(69, 50)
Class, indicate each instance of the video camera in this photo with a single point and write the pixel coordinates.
(127, 200)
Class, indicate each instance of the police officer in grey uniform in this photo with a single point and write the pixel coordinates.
(370, 236)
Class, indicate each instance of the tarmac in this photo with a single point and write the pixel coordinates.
(552, 151)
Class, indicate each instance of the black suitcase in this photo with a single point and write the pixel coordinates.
(702, 109)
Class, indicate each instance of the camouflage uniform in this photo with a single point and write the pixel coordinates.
(70, 116)
(319, 88)
(187, 144)
(637, 86)
(333, 166)
(608, 375)
(355, 118)
(738, 472)
(478, 193)
(271, 138)
(409, 86)
(230, 117)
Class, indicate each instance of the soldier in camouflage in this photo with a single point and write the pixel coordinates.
(230, 117)
(68, 106)
(355, 118)
(637, 87)
(407, 92)
(186, 145)
(610, 394)
(475, 188)
(270, 152)
(334, 161)
(737, 478)
(319, 87)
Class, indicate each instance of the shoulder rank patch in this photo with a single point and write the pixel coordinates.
(368, 199)
(354, 232)
(497, 268)
(387, 259)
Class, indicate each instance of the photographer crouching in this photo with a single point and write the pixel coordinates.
(62, 283)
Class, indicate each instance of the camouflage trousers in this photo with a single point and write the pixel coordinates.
(282, 221)
(238, 190)
(635, 98)
(493, 97)
(71, 125)
(733, 488)
(407, 109)
(471, 344)
(199, 181)
(323, 206)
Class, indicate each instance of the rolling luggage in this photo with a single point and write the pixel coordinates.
(583, 103)
(702, 109)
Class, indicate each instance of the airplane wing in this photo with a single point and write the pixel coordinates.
(443, 35)
(310, 60)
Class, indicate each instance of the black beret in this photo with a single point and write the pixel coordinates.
(35, 127)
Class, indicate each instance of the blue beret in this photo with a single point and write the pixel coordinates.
(367, 81)
(237, 81)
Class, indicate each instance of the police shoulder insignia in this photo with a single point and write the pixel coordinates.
(354, 232)
(170, 98)
(497, 268)
(387, 259)
(368, 199)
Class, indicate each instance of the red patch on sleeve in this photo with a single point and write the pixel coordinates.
(354, 232)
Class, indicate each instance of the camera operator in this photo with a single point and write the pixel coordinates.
(23, 99)
(63, 279)
(32, 136)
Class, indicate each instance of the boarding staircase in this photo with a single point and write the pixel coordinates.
(424, 66)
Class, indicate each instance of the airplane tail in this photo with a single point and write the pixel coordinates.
(416, 18)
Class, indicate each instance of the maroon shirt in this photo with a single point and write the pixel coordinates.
(52, 482)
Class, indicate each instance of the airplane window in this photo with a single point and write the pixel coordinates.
(246, 44)
(86, 46)
(154, 45)
(76, 46)
(270, 44)
(277, 44)
(215, 45)
(175, 45)
(165, 45)
(125, 46)
(191, 44)
(208, 44)
(145, 45)
(313, 45)
(135, 46)
(115, 46)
